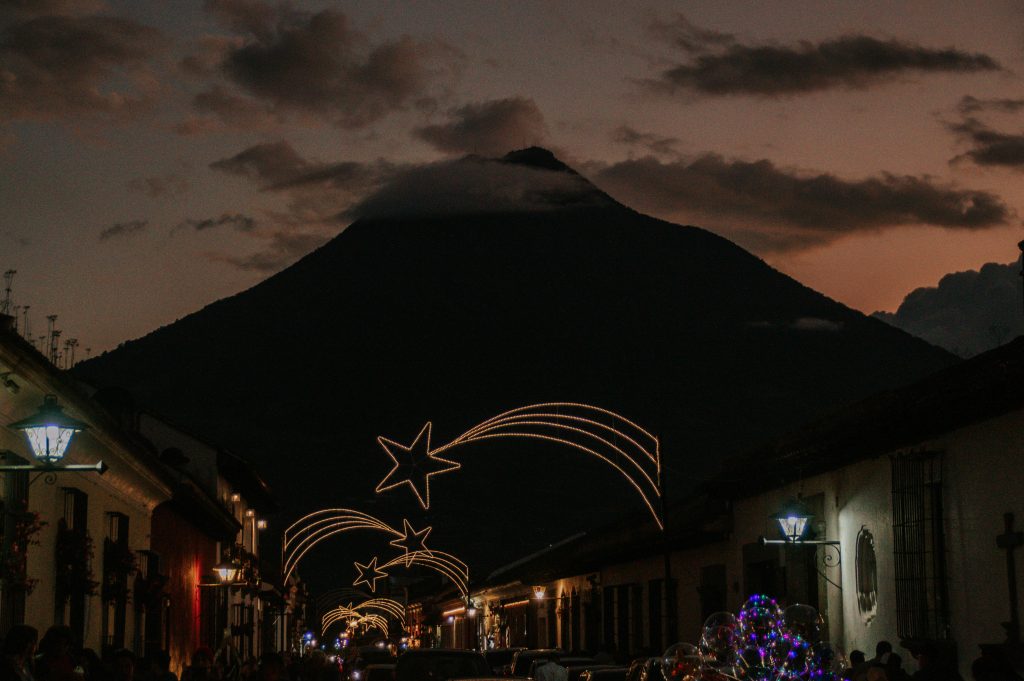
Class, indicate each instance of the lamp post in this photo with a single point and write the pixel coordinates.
(793, 521)
(49, 432)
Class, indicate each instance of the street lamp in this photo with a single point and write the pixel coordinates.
(49, 432)
(538, 592)
(227, 572)
(793, 520)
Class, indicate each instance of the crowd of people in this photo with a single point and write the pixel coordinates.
(57, 658)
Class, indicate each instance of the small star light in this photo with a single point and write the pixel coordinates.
(414, 465)
(412, 541)
(369, 574)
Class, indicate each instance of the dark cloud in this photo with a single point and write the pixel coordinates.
(972, 105)
(476, 185)
(237, 221)
(718, 65)
(488, 128)
(785, 210)
(280, 249)
(268, 163)
(683, 34)
(656, 144)
(967, 312)
(989, 147)
(119, 229)
(163, 186)
(59, 67)
(218, 108)
(277, 166)
(318, 64)
(316, 195)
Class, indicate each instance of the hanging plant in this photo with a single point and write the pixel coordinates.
(73, 558)
(14, 554)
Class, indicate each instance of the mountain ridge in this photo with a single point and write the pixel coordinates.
(455, 317)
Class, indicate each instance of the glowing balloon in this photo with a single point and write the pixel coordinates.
(803, 621)
(681, 662)
(719, 639)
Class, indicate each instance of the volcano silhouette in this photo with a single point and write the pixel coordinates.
(453, 312)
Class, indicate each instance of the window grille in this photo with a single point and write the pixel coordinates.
(922, 603)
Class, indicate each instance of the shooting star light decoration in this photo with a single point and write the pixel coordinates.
(369, 574)
(305, 533)
(612, 438)
(388, 606)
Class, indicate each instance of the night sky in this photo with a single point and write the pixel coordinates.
(157, 156)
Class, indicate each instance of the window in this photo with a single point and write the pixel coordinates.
(922, 606)
(712, 590)
(117, 527)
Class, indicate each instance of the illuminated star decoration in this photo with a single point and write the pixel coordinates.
(414, 465)
(369, 574)
(307, 532)
(603, 434)
(412, 541)
(343, 613)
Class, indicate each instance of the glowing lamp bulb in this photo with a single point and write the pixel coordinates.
(226, 572)
(538, 592)
(793, 521)
(49, 431)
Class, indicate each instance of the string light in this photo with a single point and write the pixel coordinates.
(445, 563)
(412, 540)
(386, 605)
(419, 460)
(369, 574)
(313, 528)
(619, 442)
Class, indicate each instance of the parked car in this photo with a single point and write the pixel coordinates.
(499, 658)
(379, 672)
(567, 661)
(604, 674)
(354, 668)
(524, 659)
(438, 664)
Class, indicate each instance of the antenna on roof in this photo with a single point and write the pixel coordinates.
(16, 312)
(24, 327)
(69, 352)
(55, 348)
(5, 304)
(48, 347)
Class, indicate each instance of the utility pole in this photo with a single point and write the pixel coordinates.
(5, 304)
(671, 606)
(51, 320)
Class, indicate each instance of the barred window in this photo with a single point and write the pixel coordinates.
(922, 600)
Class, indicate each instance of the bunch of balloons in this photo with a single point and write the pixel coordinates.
(762, 642)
